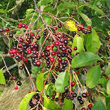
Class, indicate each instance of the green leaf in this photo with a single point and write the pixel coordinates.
(103, 81)
(86, 19)
(49, 89)
(93, 76)
(46, 108)
(99, 106)
(39, 81)
(68, 105)
(45, 2)
(66, 5)
(24, 103)
(51, 105)
(108, 107)
(47, 19)
(107, 71)
(2, 78)
(94, 2)
(28, 11)
(62, 81)
(84, 59)
(78, 42)
(49, 9)
(2, 11)
(108, 87)
(92, 42)
(96, 9)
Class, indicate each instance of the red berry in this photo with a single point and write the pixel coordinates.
(14, 51)
(77, 72)
(53, 53)
(57, 43)
(26, 26)
(12, 55)
(90, 105)
(52, 59)
(20, 24)
(75, 48)
(107, 77)
(73, 83)
(82, 26)
(89, 27)
(83, 108)
(38, 63)
(48, 48)
(52, 45)
(10, 52)
(20, 44)
(88, 94)
(25, 60)
(31, 34)
(79, 28)
(55, 28)
(16, 87)
(14, 77)
(7, 29)
(29, 52)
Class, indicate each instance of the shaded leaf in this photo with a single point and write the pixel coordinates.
(62, 81)
(93, 76)
(24, 103)
(2, 78)
(99, 106)
(84, 59)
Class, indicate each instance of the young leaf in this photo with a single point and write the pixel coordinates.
(68, 105)
(51, 105)
(2, 78)
(24, 103)
(62, 81)
(108, 87)
(93, 76)
(39, 81)
(84, 59)
(78, 42)
(99, 106)
(92, 42)
(86, 19)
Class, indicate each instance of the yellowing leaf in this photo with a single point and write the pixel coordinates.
(70, 25)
